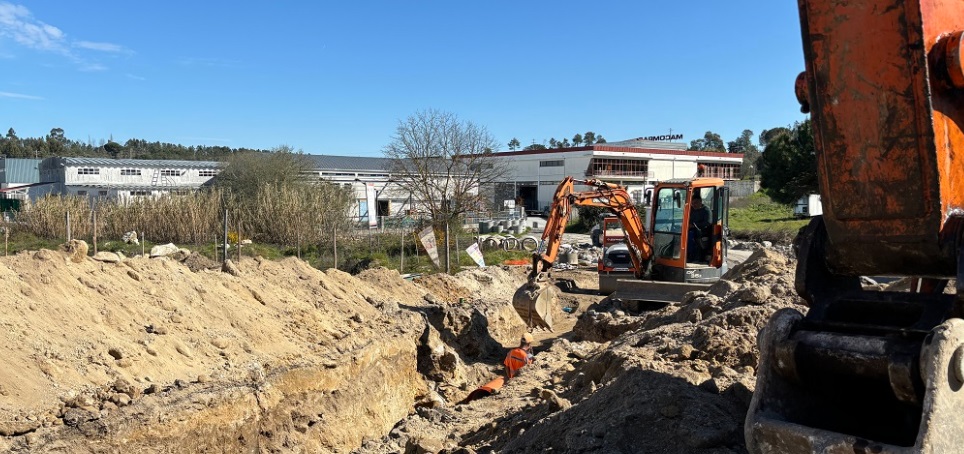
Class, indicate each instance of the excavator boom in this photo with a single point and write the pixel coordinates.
(533, 300)
(875, 371)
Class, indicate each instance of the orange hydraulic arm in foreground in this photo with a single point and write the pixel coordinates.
(606, 195)
(867, 370)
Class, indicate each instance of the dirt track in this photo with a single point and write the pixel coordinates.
(149, 356)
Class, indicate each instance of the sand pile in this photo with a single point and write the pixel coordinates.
(148, 355)
(674, 380)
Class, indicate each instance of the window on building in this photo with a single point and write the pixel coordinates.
(170, 173)
(131, 172)
(102, 193)
(555, 163)
(720, 170)
(88, 171)
(81, 192)
(207, 172)
(140, 193)
(618, 167)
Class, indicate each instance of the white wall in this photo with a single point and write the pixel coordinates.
(149, 176)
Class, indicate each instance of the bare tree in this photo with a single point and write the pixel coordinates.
(446, 164)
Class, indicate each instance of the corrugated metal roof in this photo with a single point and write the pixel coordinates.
(357, 163)
(141, 163)
(17, 170)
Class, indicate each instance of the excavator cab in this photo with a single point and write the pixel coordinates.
(690, 225)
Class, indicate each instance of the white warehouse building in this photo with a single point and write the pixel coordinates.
(633, 164)
(122, 178)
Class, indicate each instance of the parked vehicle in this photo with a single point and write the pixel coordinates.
(808, 206)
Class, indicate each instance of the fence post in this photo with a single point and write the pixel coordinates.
(458, 258)
(401, 266)
(448, 257)
(67, 215)
(334, 242)
(93, 216)
(224, 245)
(238, 225)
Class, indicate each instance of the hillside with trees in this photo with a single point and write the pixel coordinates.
(56, 143)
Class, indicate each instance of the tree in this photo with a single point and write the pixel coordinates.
(600, 139)
(445, 163)
(246, 172)
(744, 144)
(788, 166)
(535, 146)
(11, 145)
(769, 134)
(589, 138)
(553, 143)
(577, 139)
(114, 149)
(514, 144)
(710, 141)
(56, 142)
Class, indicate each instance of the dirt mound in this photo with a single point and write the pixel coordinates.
(197, 262)
(764, 279)
(443, 286)
(146, 355)
(677, 379)
(156, 355)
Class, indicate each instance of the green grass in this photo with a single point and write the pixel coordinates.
(759, 218)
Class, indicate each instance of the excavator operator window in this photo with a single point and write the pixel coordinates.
(668, 223)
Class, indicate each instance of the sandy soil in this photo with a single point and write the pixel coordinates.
(175, 355)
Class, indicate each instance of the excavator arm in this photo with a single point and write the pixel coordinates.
(533, 299)
(606, 195)
(864, 370)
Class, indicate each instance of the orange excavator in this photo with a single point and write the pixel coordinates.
(677, 257)
(871, 371)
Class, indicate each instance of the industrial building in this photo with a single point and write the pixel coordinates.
(633, 164)
(121, 179)
(532, 178)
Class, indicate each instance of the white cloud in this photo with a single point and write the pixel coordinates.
(103, 47)
(17, 23)
(92, 67)
(135, 77)
(6, 94)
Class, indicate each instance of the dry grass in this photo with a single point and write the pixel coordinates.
(278, 215)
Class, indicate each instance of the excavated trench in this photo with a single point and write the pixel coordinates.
(152, 355)
(149, 356)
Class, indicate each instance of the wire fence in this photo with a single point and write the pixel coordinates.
(348, 243)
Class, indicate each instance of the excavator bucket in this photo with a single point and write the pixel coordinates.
(533, 301)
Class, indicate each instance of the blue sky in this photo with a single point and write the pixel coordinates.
(336, 77)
